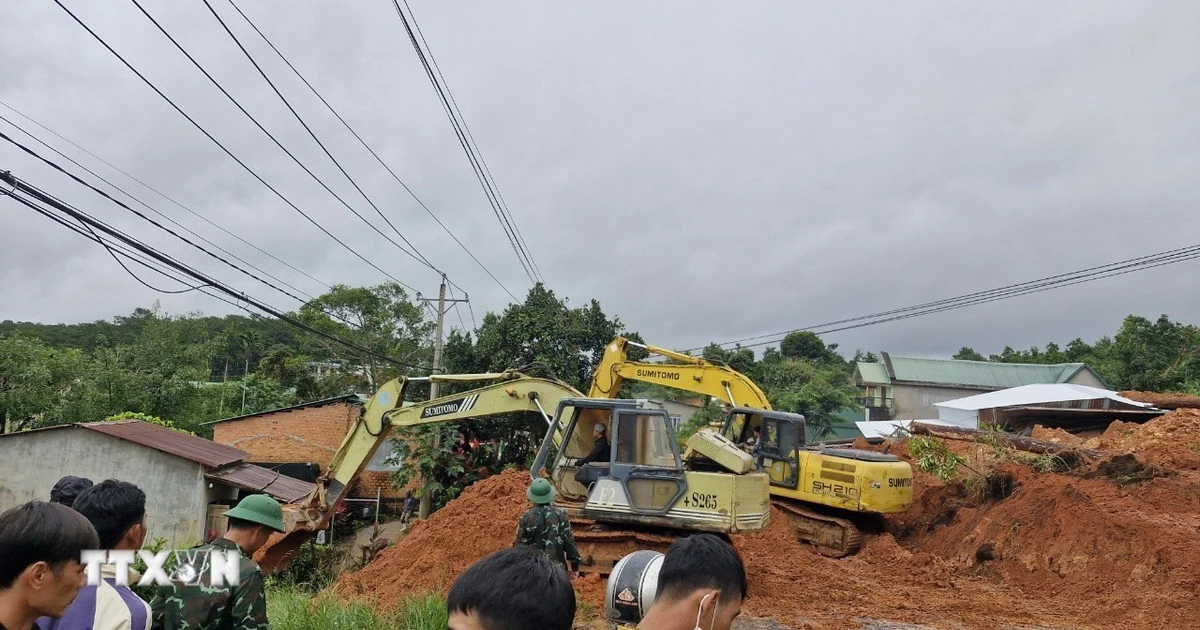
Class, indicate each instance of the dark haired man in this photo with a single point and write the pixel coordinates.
(512, 589)
(701, 584)
(67, 488)
(229, 607)
(40, 570)
(117, 509)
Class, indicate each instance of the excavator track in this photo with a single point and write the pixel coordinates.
(602, 546)
(832, 536)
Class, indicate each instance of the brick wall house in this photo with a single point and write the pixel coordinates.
(308, 433)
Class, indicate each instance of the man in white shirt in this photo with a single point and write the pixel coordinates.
(117, 510)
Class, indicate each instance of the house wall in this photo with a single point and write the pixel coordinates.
(310, 434)
(176, 490)
(1086, 378)
(682, 410)
(916, 402)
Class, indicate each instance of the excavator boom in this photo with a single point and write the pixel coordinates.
(688, 373)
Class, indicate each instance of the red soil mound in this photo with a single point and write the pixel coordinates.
(1170, 441)
(1164, 401)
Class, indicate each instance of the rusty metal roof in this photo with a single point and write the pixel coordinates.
(258, 479)
(196, 449)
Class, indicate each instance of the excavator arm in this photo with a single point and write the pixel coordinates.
(688, 373)
(505, 393)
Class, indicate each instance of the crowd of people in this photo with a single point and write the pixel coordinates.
(44, 583)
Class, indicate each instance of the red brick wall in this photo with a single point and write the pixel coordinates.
(310, 434)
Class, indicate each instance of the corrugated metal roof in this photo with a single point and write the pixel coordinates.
(258, 479)
(1035, 395)
(983, 374)
(873, 373)
(204, 452)
(350, 398)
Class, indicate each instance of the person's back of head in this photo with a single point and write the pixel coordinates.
(512, 589)
(117, 509)
(702, 575)
(40, 550)
(68, 488)
(253, 520)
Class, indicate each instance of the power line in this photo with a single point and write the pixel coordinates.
(488, 171)
(155, 211)
(1048, 283)
(153, 190)
(353, 251)
(160, 226)
(104, 194)
(257, 67)
(311, 174)
(31, 191)
(370, 150)
(489, 192)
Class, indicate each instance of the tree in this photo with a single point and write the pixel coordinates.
(35, 382)
(969, 354)
(543, 332)
(804, 345)
(381, 319)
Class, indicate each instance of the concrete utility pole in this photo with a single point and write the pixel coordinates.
(435, 388)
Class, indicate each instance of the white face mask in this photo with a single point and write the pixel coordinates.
(700, 612)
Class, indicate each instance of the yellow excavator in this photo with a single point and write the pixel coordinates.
(830, 494)
(645, 495)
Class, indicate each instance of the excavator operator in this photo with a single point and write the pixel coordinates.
(601, 453)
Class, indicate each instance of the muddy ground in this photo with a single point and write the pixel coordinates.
(1114, 542)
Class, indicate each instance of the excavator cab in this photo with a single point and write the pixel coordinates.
(781, 435)
(644, 475)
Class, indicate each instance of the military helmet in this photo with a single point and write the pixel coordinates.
(261, 509)
(540, 491)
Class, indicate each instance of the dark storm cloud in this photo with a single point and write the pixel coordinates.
(706, 172)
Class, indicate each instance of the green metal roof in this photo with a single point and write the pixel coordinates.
(983, 374)
(875, 373)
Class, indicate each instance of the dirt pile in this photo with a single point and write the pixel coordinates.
(481, 520)
(1170, 441)
(1164, 401)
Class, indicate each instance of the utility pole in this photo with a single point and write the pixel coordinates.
(434, 386)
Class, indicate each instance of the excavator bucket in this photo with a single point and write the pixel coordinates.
(301, 521)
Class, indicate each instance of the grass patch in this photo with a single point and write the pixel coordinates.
(291, 608)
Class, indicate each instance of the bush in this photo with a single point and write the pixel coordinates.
(313, 568)
(934, 457)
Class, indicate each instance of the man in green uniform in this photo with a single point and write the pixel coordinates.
(242, 607)
(547, 528)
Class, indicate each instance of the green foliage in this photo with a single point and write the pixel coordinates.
(380, 318)
(1159, 355)
(711, 412)
(293, 609)
(934, 457)
(155, 545)
(969, 354)
(544, 331)
(133, 415)
(313, 568)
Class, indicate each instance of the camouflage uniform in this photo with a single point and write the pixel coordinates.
(547, 528)
(204, 607)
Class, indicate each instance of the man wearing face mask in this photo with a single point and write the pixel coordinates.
(701, 586)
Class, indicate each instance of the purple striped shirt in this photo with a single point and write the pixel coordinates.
(105, 607)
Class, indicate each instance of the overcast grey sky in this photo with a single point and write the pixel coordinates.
(708, 171)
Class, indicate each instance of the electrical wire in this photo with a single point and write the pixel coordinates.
(471, 137)
(150, 84)
(422, 257)
(160, 226)
(22, 187)
(522, 256)
(279, 144)
(370, 150)
(155, 191)
(1048, 283)
(164, 228)
(155, 211)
